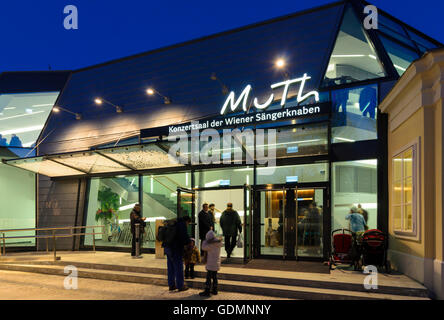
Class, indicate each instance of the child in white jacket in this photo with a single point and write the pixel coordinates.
(211, 245)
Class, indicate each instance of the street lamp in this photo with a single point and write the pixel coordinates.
(100, 101)
(281, 64)
(151, 92)
(57, 109)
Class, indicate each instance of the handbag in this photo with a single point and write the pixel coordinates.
(239, 242)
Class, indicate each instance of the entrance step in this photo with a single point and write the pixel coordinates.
(259, 285)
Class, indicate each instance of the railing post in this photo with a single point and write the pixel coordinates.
(137, 225)
(47, 244)
(94, 238)
(4, 245)
(54, 245)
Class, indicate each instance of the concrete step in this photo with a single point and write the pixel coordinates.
(158, 277)
(308, 283)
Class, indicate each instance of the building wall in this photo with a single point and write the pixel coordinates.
(414, 108)
(60, 204)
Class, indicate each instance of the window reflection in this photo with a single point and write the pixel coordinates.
(354, 114)
(22, 117)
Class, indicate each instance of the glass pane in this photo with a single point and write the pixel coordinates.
(353, 58)
(408, 163)
(272, 222)
(397, 193)
(389, 23)
(354, 185)
(397, 168)
(302, 141)
(316, 172)
(354, 114)
(110, 203)
(46, 167)
(224, 177)
(397, 217)
(17, 199)
(408, 190)
(90, 162)
(421, 41)
(220, 199)
(142, 157)
(401, 57)
(22, 117)
(310, 212)
(408, 218)
(397, 36)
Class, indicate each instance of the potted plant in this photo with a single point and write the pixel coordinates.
(109, 204)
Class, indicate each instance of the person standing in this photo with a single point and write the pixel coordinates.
(205, 223)
(357, 221)
(190, 258)
(230, 223)
(136, 218)
(212, 209)
(211, 245)
(175, 251)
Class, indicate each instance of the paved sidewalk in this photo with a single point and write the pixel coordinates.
(32, 286)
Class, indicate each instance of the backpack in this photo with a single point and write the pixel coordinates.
(167, 233)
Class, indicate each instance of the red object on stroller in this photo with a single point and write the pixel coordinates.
(343, 248)
(374, 249)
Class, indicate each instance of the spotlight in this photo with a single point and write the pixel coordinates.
(280, 63)
(151, 92)
(223, 86)
(100, 101)
(57, 109)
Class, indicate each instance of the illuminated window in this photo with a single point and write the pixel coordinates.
(404, 191)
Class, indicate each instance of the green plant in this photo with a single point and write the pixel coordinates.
(109, 204)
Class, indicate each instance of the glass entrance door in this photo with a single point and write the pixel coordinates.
(185, 206)
(291, 222)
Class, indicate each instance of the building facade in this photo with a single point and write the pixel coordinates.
(307, 86)
(415, 162)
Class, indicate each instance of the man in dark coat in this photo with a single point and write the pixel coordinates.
(206, 223)
(174, 253)
(136, 218)
(230, 223)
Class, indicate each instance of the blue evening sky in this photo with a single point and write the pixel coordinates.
(33, 36)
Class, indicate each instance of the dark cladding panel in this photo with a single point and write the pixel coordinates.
(33, 81)
(183, 73)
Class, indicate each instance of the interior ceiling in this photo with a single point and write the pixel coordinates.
(348, 46)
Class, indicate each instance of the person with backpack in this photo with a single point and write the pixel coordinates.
(136, 218)
(175, 237)
(230, 223)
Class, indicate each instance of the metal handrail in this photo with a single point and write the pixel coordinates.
(53, 236)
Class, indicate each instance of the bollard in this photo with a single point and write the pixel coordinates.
(47, 245)
(94, 238)
(137, 225)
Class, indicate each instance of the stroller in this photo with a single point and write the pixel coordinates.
(344, 249)
(374, 249)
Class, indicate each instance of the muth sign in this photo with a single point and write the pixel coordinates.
(243, 98)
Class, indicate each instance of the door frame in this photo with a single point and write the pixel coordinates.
(247, 219)
(326, 218)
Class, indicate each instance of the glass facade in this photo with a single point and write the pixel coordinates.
(354, 184)
(17, 209)
(22, 117)
(354, 116)
(354, 57)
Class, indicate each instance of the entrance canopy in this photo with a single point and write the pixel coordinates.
(107, 160)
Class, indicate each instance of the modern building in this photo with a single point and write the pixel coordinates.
(307, 86)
